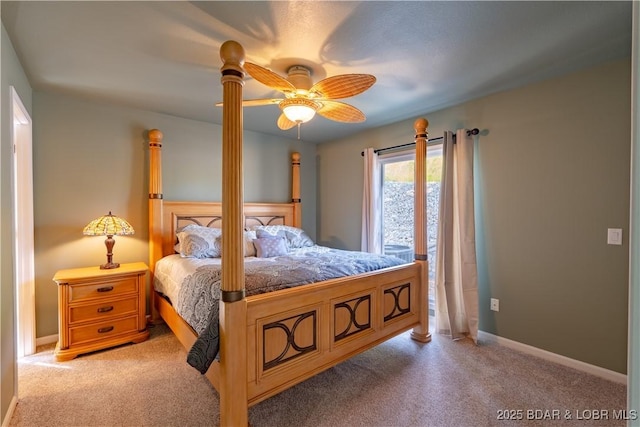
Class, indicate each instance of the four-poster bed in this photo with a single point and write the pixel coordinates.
(272, 341)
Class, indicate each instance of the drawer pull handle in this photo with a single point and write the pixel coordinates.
(105, 330)
(105, 289)
(105, 309)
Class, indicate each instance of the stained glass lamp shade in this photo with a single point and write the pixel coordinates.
(108, 225)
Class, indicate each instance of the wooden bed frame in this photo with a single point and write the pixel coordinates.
(270, 342)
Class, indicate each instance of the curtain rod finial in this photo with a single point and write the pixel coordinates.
(420, 126)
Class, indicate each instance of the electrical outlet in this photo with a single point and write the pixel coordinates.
(495, 304)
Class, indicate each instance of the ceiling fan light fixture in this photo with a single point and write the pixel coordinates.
(299, 110)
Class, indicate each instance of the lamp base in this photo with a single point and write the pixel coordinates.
(109, 265)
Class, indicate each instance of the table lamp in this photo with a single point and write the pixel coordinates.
(108, 225)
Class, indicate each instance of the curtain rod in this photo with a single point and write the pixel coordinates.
(473, 131)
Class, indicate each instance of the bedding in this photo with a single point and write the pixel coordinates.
(192, 285)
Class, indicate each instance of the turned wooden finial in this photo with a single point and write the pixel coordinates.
(155, 136)
(420, 126)
(232, 53)
(295, 157)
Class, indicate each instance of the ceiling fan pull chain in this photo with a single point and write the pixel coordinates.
(298, 130)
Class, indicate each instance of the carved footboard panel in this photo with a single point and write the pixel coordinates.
(296, 333)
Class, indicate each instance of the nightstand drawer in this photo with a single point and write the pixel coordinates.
(103, 310)
(102, 330)
(103, 289)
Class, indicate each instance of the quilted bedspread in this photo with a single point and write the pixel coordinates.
(198, 295)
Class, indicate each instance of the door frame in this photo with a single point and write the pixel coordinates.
(23, 226)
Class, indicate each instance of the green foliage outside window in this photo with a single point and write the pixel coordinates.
(404, 171)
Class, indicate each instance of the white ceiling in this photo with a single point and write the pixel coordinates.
(164, 56)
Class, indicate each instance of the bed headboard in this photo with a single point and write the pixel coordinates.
(166, 217)
(177, 215)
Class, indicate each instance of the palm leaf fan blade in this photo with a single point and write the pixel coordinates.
(340, 112)
(284, 123)
(260, 102)
(343, 86)
(256, 102)
(269, 78)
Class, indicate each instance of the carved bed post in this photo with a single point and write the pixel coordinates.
(233, 306)
(295, 190)
(421, 332)
(155, 209)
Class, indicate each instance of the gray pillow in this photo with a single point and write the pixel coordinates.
(196, 241)
(268, 247)
(296, 237)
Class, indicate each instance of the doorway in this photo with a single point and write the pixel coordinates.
(21, 137)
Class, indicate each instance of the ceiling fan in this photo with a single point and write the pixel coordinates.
(303, 99)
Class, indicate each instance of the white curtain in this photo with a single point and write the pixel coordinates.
(456, 267)
(371, 212)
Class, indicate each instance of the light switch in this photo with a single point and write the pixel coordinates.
(614, 236)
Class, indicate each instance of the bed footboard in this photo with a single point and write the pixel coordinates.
(296, 333)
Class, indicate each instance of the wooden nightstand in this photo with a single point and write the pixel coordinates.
(98, 308)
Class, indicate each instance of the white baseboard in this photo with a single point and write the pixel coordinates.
(557, 358)
(12, 408)
(47, 340)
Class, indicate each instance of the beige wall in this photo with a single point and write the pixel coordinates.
(552, 176)
(12, 75)
(91, 158)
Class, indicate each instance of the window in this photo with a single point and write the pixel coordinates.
(398, 206)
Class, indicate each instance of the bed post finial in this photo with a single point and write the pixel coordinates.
(420, 126)
(295, 157)
(421, 332)
(232, 55)
(155, 136)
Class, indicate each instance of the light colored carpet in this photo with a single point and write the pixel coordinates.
(398, 383)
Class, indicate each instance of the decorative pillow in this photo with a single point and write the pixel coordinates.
(267, 247)
(296, 237)
(249, 249)
(260, 234)
(196, 241)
